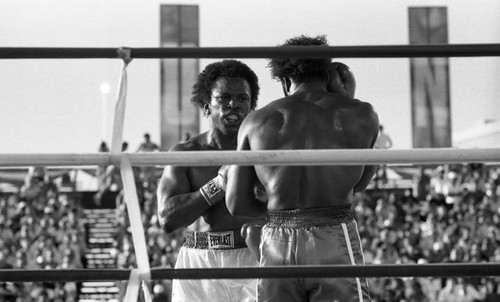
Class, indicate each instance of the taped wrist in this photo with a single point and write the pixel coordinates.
(214, 190)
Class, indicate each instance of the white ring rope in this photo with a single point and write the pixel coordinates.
(260, 157)
(120, 105)
(143, 273)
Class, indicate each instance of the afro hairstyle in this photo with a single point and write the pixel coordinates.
(299, 69)
(202, 89)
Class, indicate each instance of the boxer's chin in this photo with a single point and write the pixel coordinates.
(231, 129)
(231, 132)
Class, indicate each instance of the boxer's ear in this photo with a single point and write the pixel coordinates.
(286, 84)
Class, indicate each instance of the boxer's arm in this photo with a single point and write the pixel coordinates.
(370, 127)
(367, 176)
(240, 194)
(241, 199)
(178, 206)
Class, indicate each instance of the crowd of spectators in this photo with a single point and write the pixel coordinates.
(40, 228)
(451, 215)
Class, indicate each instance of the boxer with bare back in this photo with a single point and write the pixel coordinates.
(309, 220)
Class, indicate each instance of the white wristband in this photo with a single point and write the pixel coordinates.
(214, 190)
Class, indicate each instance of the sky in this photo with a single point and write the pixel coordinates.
(58, 106)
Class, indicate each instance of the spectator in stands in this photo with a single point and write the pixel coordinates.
(148, 173)
(492, 291)
(37, 184)
(415, 293)
(457, 290)
(101, 170)
(147, 145)
(383, 141)
(423, 184)
(103, 147)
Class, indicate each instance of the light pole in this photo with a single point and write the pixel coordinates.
(104, 91)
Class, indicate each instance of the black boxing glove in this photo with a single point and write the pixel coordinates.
(341, 79)
(250, 231)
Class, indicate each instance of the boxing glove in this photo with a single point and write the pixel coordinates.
(250, 231)
(341, 80)
(214, 191)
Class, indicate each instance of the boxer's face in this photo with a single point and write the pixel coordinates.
(229, 104)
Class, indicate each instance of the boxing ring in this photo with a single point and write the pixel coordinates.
(144, 272)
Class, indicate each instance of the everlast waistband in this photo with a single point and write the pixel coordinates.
(215, 240)
(310, 217)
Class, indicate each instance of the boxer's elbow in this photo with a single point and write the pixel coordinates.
(235, 205)
(232, 205)
(236, 211)
(169, 227)
(167, 221)
(243, 206)
(165, 224)
(163, 213)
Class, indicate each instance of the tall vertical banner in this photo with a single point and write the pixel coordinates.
(179, 27)
(430, 87)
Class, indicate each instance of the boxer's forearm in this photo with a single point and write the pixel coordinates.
(365, 179)
(245, 205)
(181, 210)
(241, 199)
